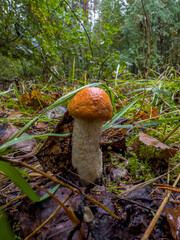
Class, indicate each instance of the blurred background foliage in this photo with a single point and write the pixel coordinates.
(100, 38)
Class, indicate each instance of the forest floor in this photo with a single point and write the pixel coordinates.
(138, 196)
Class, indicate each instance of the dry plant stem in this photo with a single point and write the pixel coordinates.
(6, 187)
(15, 199)
(139, 204)
(159, 211)
(167, 187)
(175, 201)
(168, 176)
(74, 221)
(46, 221)
(156, 117)
(147, 182)
(69, 213)
(60, 182)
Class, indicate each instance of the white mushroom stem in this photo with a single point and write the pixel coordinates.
(86, 154)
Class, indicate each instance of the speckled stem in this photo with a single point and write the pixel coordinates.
(86, 154)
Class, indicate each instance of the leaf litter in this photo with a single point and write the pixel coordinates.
(134, 210)
(7, 131)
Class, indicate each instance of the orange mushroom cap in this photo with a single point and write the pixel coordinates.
(91, 104)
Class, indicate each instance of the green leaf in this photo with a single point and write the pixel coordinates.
(22, 172)
(139, 90)
(148, 124)
(28, 137)
(165, 92)
(53, 190)
(18, 180)
(118, 115)
(5, 231)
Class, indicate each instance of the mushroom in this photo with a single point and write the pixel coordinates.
(90, 107)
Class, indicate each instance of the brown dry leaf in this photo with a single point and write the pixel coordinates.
(35, 94)
(56, 95)
(173, 218)
(141, 115)
(59, 227)
(153, 112)
(25, 98)
(121, 104)
(149, 113)
(55, 154)
(114, 138)
(7, 131)
(14, 115)
(41, 125)
(150, 141)
(34, 99)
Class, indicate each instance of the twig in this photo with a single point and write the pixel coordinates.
(152, 118)
(60, 182)
(175, 201)
(147, 182)
(68, 211)
(158, 213)
(137, 203)
(46, 221)
(13, 200)
(168, 187)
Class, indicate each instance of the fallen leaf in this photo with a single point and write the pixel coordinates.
(173, 218)
(7, 131)
(33, 99)
(115, 139)
(41, 125)
(56, 95)
(146, 114)
(150, 141)
(118, 172)
(14, 115)
(55, 154)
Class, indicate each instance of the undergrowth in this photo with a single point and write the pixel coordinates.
(149, 105)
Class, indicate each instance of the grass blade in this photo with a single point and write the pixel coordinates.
(28, 137)
(53, 190)
(118, 115)
(6, 232)
(5, 92)
(18, 180)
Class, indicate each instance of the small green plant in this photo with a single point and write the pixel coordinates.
(134, 166)
(146, 170)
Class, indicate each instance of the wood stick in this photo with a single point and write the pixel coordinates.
(159, 211)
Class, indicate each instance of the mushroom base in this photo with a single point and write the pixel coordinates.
(86, 154)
